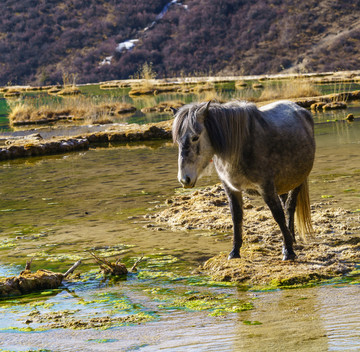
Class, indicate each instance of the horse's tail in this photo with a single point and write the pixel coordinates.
(303, 213)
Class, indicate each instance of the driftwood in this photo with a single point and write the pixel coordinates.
(134, 267)
(109, 268)
(28, 282)
(116, 268)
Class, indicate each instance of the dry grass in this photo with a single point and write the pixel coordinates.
(12, 93)
(69, 90)
(77, 108)
(145, 79)
(240, 84)
(289, 89)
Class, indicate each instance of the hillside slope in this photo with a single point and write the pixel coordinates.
(41, 39)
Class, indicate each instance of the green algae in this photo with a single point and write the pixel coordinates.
(350, 190)
(215, 304)
(42, 350)
(103, 323)
(298, 281)
(24, 329)
(209, 282)
(306, 281)
(110, 251)
(103, 340)
(249, 322)
(94, 301)
(107, 311)
(45, 305)
(56, 257)
(152, 275)
(7, 243)
(160, 260)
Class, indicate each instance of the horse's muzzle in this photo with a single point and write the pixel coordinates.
(186, 182)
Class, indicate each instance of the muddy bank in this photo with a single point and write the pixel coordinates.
(35, 145)
(333, 251)
(328, 102)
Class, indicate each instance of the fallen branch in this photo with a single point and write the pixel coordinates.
(72, 269)
(28, 282)
(134, 269)
(108, 268)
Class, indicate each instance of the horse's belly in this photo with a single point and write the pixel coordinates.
(292, 177)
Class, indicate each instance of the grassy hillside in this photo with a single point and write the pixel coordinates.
(41, 39)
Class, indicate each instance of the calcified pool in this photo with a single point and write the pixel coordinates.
(56, 209)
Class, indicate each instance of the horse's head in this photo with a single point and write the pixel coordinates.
(195, 150)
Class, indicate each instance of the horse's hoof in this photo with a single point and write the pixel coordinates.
(234, 255)
(289, 254)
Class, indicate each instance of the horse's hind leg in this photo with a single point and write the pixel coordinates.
(273, 201)
(235, 201)
(289, 205)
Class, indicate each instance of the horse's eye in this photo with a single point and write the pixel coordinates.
(195, 138)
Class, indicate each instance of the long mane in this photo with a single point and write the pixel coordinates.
(228, 125)
(186, 118)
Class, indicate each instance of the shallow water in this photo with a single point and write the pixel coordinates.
(224, 91)
(57, 208)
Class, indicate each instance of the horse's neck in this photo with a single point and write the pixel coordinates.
(230, 173)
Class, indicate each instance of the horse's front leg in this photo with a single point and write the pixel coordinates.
(235, 202)
(273, 201)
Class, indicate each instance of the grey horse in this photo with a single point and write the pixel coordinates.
(270, 149)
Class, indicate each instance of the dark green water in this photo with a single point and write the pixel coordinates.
(4, 123)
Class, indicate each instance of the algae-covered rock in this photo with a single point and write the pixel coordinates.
(318, 106)
(27, 282)
(337, 105)
(350, 117)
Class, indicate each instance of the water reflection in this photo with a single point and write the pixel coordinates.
(316, 319)
(290, 321)
(336, 170)
(338, 308)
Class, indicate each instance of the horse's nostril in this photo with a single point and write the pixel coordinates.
(185, 180)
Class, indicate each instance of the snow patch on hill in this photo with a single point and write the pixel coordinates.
(130, 43)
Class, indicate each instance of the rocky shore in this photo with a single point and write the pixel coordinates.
(36, 145)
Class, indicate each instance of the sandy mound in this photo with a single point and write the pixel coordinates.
(334, 250)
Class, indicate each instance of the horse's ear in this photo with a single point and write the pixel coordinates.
(207, 108)
(204, 112)
(173, 110)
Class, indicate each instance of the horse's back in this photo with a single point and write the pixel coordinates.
(287, 116)
(290, 143)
